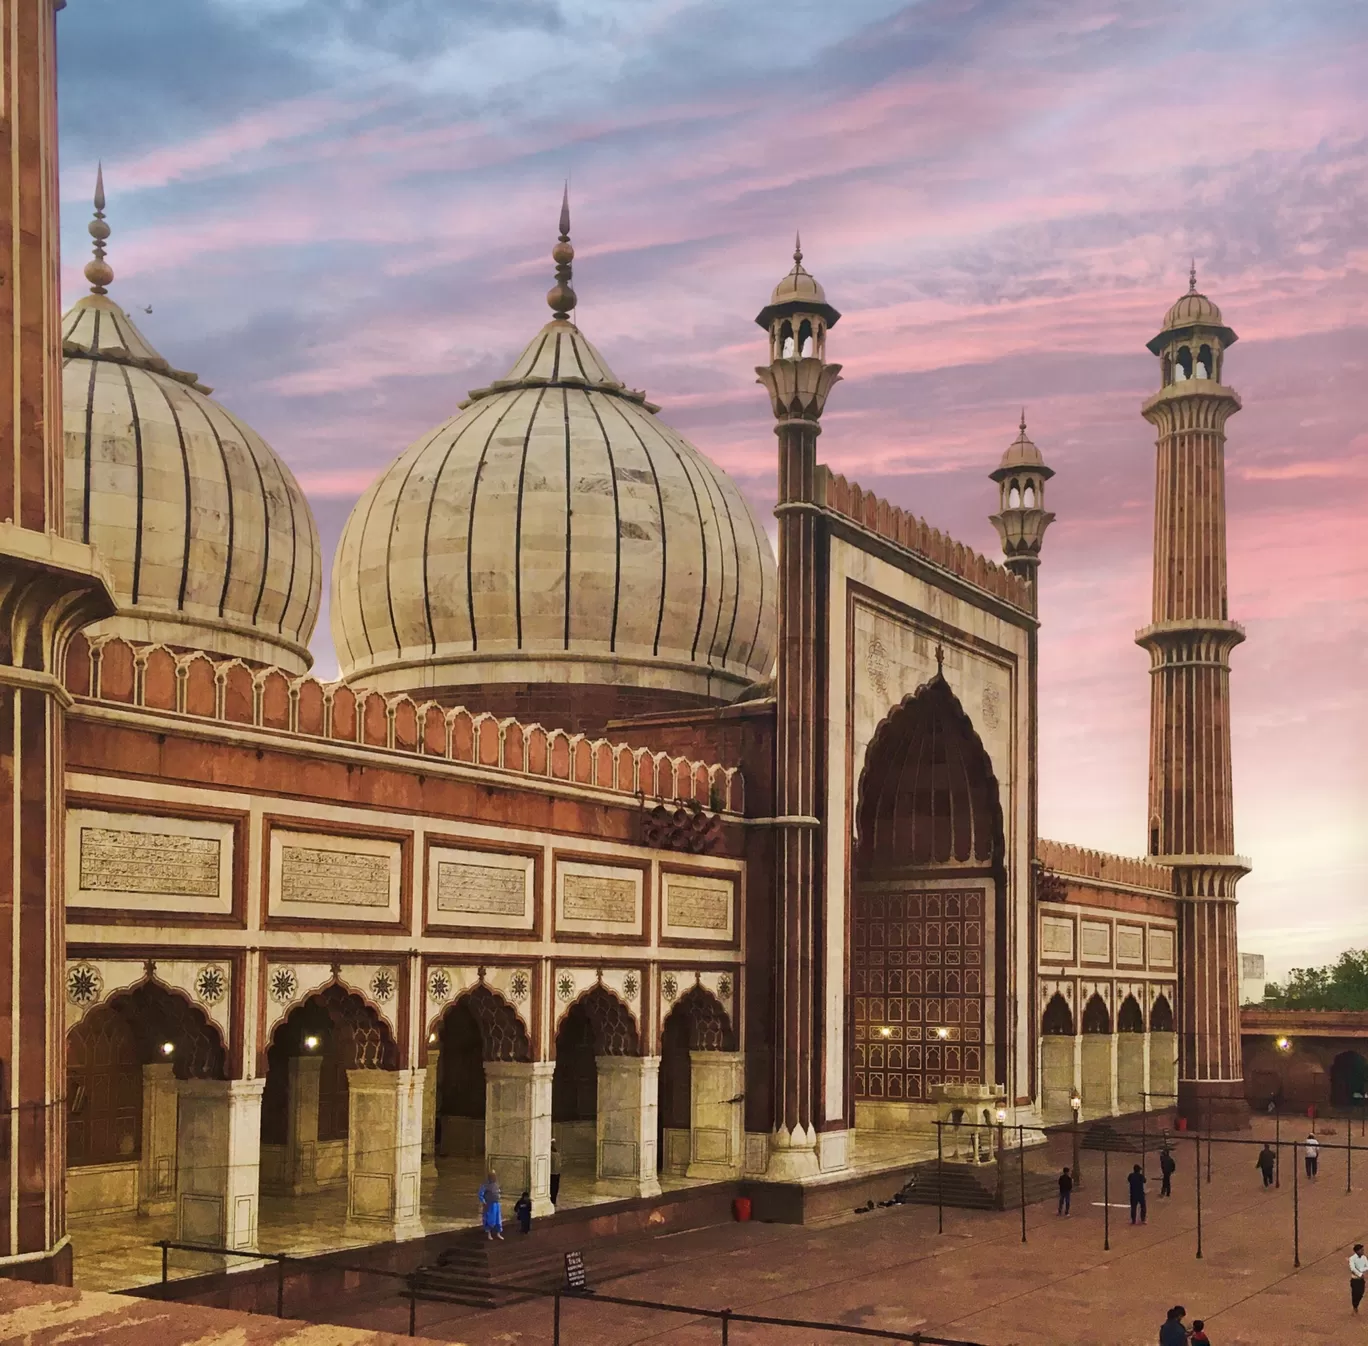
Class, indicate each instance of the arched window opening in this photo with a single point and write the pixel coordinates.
(1028, 495)
(804, 338)
(1184, 370)
(1349, 1080)
(1129, 1018)
(1096, 1017)
(1058, 1020)
(1013, 496)
(1204, 363)
(786, 341)
(1154, 836)
(1161, 1016)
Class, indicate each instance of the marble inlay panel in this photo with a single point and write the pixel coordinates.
(481, 889)
(318, 876)
(698, 907)
(598, 899)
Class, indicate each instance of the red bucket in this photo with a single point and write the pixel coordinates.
(1181, 1123)
(741, 1208)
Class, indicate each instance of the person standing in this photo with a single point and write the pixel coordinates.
(1065, 1191)
(491, 1206)
(1264, 1163)
(1168, 1165)
(1199, 1336)
(522, 1208)
(555, 1171)
(1358, 1268)
(1136, 1181)
(1173, 1333)
(1312, 1151)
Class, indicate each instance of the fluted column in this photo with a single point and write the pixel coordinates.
(49, 587)
(1192, 824)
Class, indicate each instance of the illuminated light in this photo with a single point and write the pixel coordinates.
(1002, 1114)
(311, 1043)
(168, 1048)
(885, 1032)
(1284, 1044)
(942, 1033)
(432, 1037)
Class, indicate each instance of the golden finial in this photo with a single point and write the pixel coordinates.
(1023, 422)
(1192, 277)
(98, 272)
(797, 250)
(560, 296)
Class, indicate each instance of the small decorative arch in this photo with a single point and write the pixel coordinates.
(1129, 1018)
(503, 1035)
(1184, 370)
(157, 1015)
(804, 338)
(1205, 366)
(612, 1026)
(1096, 1015)
(1161, 1015)
(1058, 1020)
(704, 1020)
(347, 1013)
(785, 351)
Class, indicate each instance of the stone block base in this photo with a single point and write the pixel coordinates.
(1213, 1105)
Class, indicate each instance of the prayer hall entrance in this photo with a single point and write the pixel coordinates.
(926, 912)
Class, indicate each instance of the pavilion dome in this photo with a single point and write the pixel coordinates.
(206, 534)
(555, 531)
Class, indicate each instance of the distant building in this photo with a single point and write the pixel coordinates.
(1253, 978)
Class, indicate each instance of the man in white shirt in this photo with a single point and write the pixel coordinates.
(1312, 1150)
(1358, 1267)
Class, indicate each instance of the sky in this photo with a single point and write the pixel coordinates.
(340, 213)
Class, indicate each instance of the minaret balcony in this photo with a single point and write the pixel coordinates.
(1190, 640)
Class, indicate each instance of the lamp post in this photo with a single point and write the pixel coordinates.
(1001, 1155)
(1076, 1103)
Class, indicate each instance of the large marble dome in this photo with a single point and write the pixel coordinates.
(206, 534)
(555, 550)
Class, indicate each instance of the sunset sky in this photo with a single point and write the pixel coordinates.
(340, 213)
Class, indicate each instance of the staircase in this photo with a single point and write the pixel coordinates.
(974, 1186)
(1104, 1136)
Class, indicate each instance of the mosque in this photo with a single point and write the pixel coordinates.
(622, 854)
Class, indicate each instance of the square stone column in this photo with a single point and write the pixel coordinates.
(384, 1150)
(218, 1156)
(716, 1123)
(434, 1060)
(157, 1167)
(301, 1129)
(1098, 1068)
(518, 1129)
(628, 1111)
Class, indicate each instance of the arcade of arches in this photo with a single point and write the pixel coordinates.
(156, 1126)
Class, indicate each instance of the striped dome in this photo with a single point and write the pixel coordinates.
(206, 534)
(555, 531)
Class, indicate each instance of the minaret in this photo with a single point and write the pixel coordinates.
(1189, 641)
(51, 587)
(798, 379)
(1022, 518)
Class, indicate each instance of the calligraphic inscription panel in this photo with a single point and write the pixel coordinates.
(485, 890)
(118, 861)
(598, 899)
(1160, 947)
(918, 992)
(698, 906)
(328, 877)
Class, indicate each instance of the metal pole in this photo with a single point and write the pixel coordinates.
(726, 1320)
(555, 1320)
(1197, 1170)
(413, 1314)
(1349, 1159)
(1209, 1130)
(165, 1253)
(1296, 1209)
(940, 1178)
(1021, 1157)
(1144, 1128)
(1077, 1176)
(280, 1287)
(1106, 1198)
(1277, 1151)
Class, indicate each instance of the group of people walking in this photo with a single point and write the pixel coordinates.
(1136, 1181)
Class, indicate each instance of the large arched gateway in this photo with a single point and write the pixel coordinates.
(927, 906)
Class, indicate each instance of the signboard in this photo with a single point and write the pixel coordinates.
(574, 1272)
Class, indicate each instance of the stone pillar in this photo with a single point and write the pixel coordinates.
(301, 1124)
(518, 1129)
(384, 1150)
(1130, 1071)
(716, 1124)
(434, 1061)
(52, 586)
(218, 1156)
(157, 1167)
(628, 1116)
(1163, 1066)
(1057, 1077)
(1098, 1062)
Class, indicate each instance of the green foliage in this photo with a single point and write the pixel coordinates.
(1342, 985)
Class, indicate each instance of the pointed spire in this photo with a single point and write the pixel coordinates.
(561, 296)
(1192, 277)
(98, 272)
(1023, 422)
(797, 250)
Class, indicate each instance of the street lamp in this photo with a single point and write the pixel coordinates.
(1076, 1103)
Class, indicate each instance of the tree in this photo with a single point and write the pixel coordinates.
(1342, 985)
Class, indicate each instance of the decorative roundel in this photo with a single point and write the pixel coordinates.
(439, 986)
(565, 987)
(629, 986)
(284, 984)
(84, 984)
(518, 986)
(669, 988)
(210, 984)
(382, 985)
(724, 986)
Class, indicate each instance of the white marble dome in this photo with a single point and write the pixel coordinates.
(207, 536)
(555, 531)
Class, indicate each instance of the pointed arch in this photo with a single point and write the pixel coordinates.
(158, 1014)
(1058, 1020)
(503, 1035)
(703, 1022)
(1161, 1015)
(1096, 1015)
(612, 1025)
(1129, 1019)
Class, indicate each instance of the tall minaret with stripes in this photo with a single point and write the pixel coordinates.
(1189, 639)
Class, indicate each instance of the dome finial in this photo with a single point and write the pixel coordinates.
(98, 272)
(1023, 422)
(797, 249)
(1192, 277)
(560, 296)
